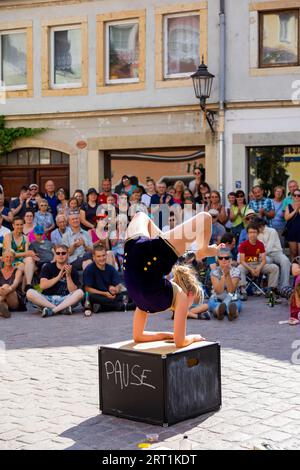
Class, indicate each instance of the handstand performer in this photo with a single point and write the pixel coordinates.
(149, 256)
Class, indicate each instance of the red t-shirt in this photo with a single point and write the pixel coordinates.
(252, 252)
(102, 198)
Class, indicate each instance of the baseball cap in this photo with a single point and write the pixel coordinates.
(250, 212)
(33, 185)
(91, 191)
(39, 230)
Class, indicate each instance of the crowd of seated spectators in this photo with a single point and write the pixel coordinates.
(58, 252)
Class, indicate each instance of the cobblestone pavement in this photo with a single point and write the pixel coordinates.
(49, 383)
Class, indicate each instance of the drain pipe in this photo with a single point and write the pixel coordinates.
(221, 149)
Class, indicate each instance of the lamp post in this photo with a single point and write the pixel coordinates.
(202, 81)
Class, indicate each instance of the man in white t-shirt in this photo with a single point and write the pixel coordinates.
(270, 238)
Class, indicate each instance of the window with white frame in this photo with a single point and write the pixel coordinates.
(13, 60)
(122, 52)
(181, 44)
(66, 57)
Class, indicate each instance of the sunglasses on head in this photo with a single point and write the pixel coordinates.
(60, 253)
(224, 257)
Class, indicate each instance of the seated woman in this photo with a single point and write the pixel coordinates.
(19, 243)
(225, 279)
(11, 295)
(149, 256)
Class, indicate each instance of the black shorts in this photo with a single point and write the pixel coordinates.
(146, 263)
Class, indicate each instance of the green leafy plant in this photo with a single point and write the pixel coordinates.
(8, 135)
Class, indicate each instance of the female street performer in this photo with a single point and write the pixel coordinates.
(149, 256)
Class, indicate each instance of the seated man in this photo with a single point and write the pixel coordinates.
(79, 243)
(253, 260)
(102, 282)
(270, 238)
(60, 286)
(250, 215)
(44, 249)
(58, 233)
(225, 279)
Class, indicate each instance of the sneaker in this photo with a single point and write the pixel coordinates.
(204, 316)
(232, 311)
(96, 308)
(243, 294)
(68, 311)
(220, 311)
(47, 312)
(257, 292)
(4, 312)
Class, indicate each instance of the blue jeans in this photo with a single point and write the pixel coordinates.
(213, 303)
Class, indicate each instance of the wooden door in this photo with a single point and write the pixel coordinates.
(12, 179)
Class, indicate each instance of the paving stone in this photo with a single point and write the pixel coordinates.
(275, 436)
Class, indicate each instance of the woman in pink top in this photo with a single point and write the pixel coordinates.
(100, 236)
(179, 191)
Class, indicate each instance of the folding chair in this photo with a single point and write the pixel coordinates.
(254, 282)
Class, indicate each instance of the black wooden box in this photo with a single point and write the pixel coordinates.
(157, 383)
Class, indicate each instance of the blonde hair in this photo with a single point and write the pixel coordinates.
(186, 278)
(8, 251)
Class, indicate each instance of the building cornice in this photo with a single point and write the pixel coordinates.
(14, 4)
(145, 111)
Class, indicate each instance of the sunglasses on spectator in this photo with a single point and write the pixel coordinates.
(250, 217)
(60, 253)
(214, 216)
(296, 194)
(197, 173)
(224, 257)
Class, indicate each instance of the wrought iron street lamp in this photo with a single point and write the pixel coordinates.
(202, 81)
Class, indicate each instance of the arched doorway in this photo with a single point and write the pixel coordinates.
(33, 165)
